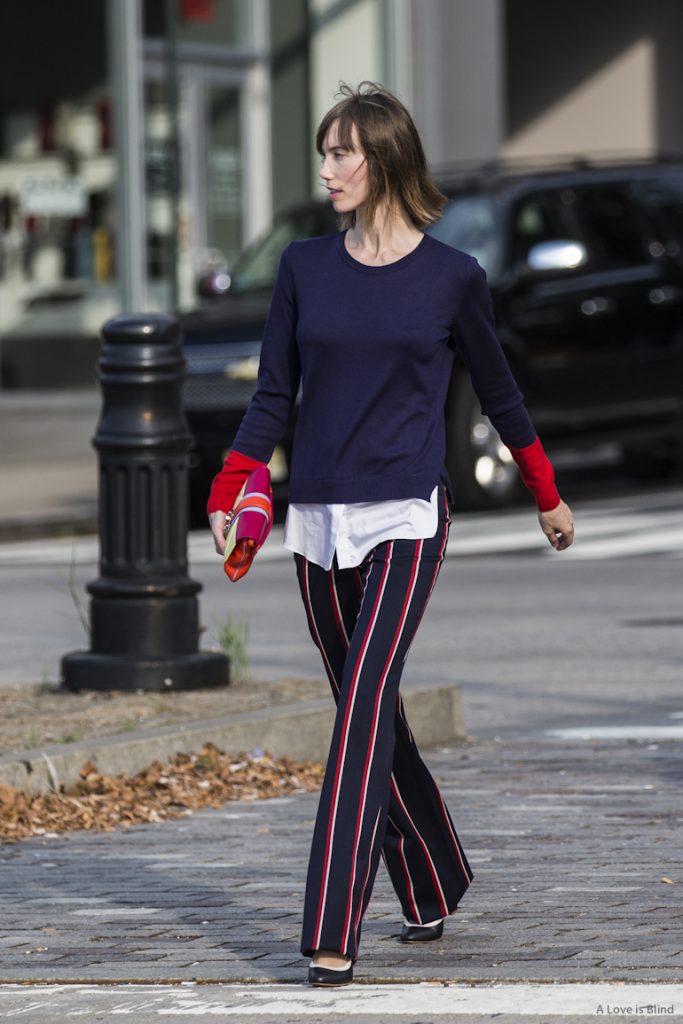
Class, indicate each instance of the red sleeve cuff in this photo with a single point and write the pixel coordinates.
(228, 483)
(537, 474)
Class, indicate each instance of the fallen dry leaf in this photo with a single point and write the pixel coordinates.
(189, 782)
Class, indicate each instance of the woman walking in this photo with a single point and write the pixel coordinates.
(368, 321)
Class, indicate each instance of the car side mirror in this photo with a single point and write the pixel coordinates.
(560, 254)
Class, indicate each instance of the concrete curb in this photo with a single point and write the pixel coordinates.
(42, 527)
(301, 731)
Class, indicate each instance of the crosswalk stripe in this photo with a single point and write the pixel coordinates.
(437, 999)
(654, 542)
(603, 532)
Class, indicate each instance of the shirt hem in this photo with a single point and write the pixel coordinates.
(362, 489)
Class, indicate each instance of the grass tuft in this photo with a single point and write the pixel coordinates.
(232, 635)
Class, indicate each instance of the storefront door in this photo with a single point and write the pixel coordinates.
(195, 222)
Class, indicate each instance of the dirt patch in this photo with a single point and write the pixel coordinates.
(37, 716)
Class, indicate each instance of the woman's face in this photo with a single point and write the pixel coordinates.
(344, 172)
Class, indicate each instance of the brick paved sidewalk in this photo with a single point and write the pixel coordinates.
(569, 843)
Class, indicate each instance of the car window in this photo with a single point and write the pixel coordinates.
(663, 200)
(472, 223)
(256, 268)
(542, 217)
(613, 224)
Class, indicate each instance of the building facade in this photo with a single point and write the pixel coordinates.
(149, 140)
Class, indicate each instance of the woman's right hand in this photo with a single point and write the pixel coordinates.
(217, 524)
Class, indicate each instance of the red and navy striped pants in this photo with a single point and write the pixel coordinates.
(378, 796)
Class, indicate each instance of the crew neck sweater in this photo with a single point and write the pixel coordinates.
(372, 348)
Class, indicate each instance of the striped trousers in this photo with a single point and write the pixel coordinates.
(378, 797)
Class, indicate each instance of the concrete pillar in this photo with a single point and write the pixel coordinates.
(458, 78)
(125, 35)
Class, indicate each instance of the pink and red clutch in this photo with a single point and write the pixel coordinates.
(249, 523)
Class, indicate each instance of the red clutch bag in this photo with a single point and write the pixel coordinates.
(248, 524)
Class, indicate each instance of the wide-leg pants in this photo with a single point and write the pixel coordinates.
(378, 797)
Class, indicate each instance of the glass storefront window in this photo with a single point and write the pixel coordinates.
(57, 172)
(224, 170)
(213, 22)
(59, 251)
(200, 228)
(159, 171)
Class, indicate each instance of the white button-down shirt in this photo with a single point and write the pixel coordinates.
(352, 530)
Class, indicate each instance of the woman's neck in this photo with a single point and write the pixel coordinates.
(388, 237)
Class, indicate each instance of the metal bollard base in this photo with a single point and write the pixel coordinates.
(83, 670)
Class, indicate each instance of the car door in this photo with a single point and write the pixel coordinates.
(587, 331)
(633, 361)
(545, 317)
(661, 196)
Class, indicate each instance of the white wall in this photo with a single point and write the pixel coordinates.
(458, 78)
(346, 45)
(577, 92)
(612, 110)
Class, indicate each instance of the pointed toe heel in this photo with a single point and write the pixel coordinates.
(421, 933)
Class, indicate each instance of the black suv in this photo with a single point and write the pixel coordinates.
(585, 266)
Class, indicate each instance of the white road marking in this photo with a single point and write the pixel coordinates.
(80, 551)
(381, 1001)
(619, 732)
(655, 541)
(603, 532)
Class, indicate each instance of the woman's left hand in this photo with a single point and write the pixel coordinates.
(217, 522)
(558, 526)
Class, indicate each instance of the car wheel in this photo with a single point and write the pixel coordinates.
(481, 468)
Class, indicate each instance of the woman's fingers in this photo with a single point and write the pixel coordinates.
(217, 524)
(558, 526)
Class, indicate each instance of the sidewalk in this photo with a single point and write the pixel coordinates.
(574, 843)
(48, 467)
(575, 847)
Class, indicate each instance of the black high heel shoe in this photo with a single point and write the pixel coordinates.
(329, 976)
(421, 932)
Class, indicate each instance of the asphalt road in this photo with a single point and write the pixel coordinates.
(534, 638)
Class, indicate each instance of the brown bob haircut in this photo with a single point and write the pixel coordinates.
(388, 138)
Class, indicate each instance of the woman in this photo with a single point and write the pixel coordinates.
(369, 321)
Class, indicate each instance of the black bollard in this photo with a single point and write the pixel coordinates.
(144, 612)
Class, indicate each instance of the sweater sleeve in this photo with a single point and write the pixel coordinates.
(476, 342)
(501, 400)
(279, 373)
(229, 482)
(537, 474)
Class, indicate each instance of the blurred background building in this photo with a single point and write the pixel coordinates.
(143, 142)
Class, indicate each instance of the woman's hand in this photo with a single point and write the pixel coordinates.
(558, 526)
(217, 524)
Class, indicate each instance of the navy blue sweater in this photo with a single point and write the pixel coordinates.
(373, 349)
